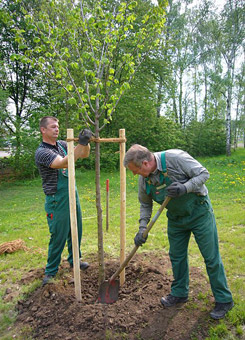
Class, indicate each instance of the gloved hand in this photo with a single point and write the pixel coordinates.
(84, 136)
(139, 239)
(176, 189)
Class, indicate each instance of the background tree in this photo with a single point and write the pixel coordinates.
(3, 106)
(24, 85)
(228, 35)
(239, 121)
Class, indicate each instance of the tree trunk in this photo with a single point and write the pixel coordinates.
(99, 214)
(175, 110)
(17, 138)
(230, 71)
(236, 125)
(195, 93)
(205, 92)
(159, 96)
(228, 123)
(180, 98)
(67, 112)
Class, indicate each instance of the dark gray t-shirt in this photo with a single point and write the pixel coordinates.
(44, 157)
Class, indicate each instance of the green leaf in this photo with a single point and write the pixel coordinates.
(80, 89)
(132, 5)
(74, 65)
(72, 101)
(63, 63)
(40, 25)
(14, 57)
(36, 40)
(70, 87)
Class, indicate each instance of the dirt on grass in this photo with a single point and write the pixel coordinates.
(52, 311)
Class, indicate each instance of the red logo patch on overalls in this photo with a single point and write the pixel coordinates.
(50, 215)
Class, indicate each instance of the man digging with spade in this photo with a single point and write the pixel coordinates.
(176, 174)
(52, 161)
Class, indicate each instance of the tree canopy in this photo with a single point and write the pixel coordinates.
(108, 64)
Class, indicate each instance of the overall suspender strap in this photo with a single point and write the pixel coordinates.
(62, 148)
(164, 167)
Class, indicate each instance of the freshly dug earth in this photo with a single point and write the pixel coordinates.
(52, 311)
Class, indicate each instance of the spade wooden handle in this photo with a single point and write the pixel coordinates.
(150, 225)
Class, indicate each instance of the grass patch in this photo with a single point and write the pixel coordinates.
(22, 216)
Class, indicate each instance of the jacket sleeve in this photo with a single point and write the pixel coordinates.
(196, 174)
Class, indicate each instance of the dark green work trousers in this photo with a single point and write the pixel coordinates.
(58, 216)
(194, 214)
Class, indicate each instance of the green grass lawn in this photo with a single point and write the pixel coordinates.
(22, 216)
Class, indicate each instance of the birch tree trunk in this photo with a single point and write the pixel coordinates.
(195, 93)
(180, 98)
(228, 123)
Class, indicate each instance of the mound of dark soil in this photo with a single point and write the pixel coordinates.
(52, 311)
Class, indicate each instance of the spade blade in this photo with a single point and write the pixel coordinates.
(108, 291)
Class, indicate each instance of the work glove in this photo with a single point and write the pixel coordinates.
(84, 136)
(139, 238)
(176, 189)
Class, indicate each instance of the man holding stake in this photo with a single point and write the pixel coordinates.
(52, 161)
(176, 174)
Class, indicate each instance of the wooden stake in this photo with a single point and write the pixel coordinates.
(123, 203)
(73, 214)
(107, 204)
(122, 140)
(101, 140)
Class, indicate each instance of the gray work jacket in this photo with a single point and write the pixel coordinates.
(181, 167)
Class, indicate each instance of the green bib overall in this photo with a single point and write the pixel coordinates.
(188, 214)
(58, 217)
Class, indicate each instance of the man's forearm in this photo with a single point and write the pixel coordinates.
(81, 151)
(145, 214)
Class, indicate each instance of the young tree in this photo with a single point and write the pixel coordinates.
(92, 49)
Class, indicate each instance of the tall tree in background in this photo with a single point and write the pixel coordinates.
(3, 106)
(209, 61)
(181, 52)
(20, 81)
(239, 121)
(92, 50)
(228, 34)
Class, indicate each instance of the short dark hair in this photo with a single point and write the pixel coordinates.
(44, 121)
(136, 155)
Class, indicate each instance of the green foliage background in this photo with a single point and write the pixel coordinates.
(183, 59)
